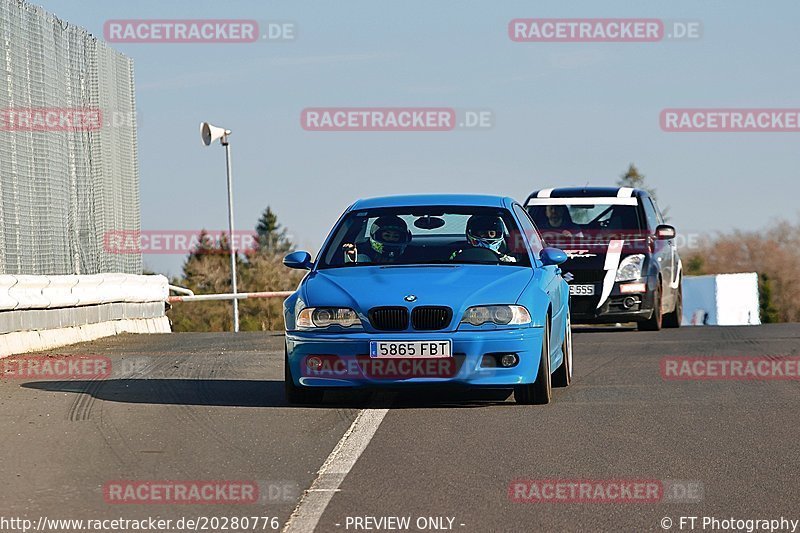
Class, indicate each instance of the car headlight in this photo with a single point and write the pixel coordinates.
(322, 317)
(630, 268)
(502, 315)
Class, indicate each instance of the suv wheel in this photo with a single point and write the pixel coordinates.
(654, 322)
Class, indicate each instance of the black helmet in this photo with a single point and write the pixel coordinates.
(389, 235)
(486, 231)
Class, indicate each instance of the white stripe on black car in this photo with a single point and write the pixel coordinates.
(610, 266)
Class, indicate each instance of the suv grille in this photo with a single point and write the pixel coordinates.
(389, 318)
(587, 276)
(431, 317)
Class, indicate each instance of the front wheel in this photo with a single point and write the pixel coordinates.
(540, 391)
(297, 395)
(562, 377)
(654, 322)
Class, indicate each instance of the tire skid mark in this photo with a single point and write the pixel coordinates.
(81, 408)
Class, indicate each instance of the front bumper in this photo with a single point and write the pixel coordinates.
(584, 309)
(466, 367)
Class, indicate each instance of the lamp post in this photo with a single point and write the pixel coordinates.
(209, 134)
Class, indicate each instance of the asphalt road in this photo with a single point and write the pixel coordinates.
(210, 407)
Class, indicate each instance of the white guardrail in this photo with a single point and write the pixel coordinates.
(18, 292)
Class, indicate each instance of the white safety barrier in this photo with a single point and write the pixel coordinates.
(19, 292)
(59, 291)
(44, 312)
(27, 292)
(6, 282)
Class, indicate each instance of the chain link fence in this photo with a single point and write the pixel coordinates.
(68, 156)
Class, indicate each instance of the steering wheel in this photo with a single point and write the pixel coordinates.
(478, 255)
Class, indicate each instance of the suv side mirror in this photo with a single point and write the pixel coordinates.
(665, 232)
(300, 260)
(552, 256)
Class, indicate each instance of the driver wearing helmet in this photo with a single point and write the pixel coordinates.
(487, 231)
(388, 238)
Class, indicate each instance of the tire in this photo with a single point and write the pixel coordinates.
(655, 321)
(562, 377)
(297, 395)
(540, 391)
(673, 319)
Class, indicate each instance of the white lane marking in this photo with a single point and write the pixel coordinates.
(584, 200)
(625, 192)
(306, 515)
(544, 193)
(610, 266)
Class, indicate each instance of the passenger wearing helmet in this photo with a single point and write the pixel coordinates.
(487, 231)
(388, 238)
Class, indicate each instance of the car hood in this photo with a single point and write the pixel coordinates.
(456, 286)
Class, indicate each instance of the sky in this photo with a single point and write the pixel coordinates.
(562, 113)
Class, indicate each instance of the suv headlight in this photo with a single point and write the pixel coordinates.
(322, 317)
(630, 268)
(502, 315)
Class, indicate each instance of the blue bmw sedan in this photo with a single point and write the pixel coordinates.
(430, 290)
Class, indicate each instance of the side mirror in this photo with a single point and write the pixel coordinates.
(300, 260)
(552, 256)
(665, 232)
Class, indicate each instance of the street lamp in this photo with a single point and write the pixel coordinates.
(209, 134)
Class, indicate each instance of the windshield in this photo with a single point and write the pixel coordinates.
(426, 235)
(578, 222)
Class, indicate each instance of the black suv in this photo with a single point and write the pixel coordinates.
(622, 264)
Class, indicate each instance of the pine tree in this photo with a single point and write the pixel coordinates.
(635, 179)
(632, 178)
(271, 236)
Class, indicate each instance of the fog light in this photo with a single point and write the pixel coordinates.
(509, 359)
(628, 302)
